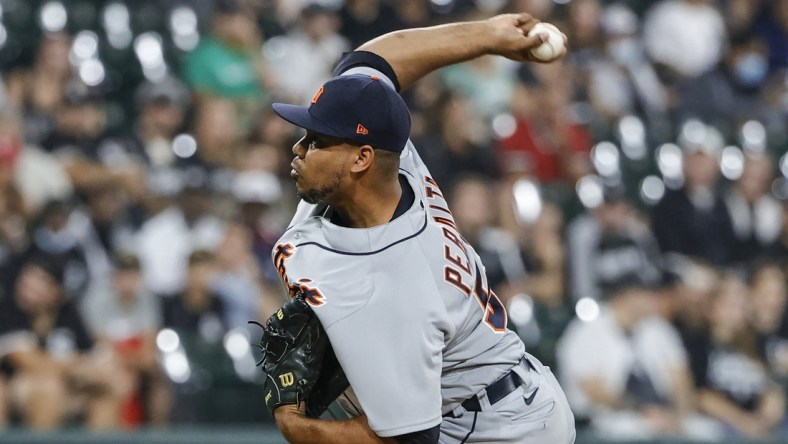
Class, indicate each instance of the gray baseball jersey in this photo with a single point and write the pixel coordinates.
(405, 305)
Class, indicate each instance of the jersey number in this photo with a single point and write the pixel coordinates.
(494, 311)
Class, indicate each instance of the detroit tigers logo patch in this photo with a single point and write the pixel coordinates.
(283, 252)
(312, 295)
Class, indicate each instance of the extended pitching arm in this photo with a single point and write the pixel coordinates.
(413, 53)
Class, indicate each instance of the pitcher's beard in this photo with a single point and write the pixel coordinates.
(313, 196)
(318, 195)
(321, 195)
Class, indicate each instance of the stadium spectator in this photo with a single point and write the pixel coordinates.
(122, 314)
(56, 369)
(260, 157)
(303, 58)
(695, 26)
(543, 250)
(198, 316)
(258, 193)
(161, 108)
(773, 25)
(104, 224)
(736, 387)
(412, 13)
(363, 20)
(227, 64)
(609, 243)
(543, 289)
(13, 237)
(80, 124)
(269, 130)
(693, 220)
(166, 240)
(57, 236)
(584, 29)
(455, 142)
(622, 80)
(691, 297)
(754, 212)
(39, 91)
(741, 15)
(541, 9)
(197, 311)
(487, 82)
(547, 142)
(731, 93)
(769, 302)
(218, 146)
(626, 370)
(37, 175)
(238, 280)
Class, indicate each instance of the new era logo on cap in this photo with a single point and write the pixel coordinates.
(359, 108)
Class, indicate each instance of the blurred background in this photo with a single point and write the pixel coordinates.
(630, 203)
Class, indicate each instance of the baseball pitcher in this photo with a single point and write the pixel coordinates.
(386, 295)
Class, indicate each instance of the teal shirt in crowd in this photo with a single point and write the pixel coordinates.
(221, 71)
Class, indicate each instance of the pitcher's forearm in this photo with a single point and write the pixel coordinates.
(298, 429)
(413, 53)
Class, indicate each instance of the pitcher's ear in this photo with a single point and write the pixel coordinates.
(365, 156)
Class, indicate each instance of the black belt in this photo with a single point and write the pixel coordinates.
(495, 392)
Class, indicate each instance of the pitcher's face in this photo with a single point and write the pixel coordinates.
(320, 166)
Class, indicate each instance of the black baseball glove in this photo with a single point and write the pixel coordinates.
(298, 360)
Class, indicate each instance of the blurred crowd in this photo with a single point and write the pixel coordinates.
(630, 202)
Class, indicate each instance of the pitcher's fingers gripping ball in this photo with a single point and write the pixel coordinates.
(298, 360)
(553, 47)
(523, 38)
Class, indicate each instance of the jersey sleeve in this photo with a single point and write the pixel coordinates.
(367, 59)
(392, 356)
(370, 71)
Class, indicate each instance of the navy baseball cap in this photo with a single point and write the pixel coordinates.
(359, 108)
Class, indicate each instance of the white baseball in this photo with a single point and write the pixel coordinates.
(552, 47)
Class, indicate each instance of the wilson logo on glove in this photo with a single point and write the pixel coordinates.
(300, 364)
(286, 379)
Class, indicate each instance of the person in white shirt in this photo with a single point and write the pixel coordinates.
(626, 371)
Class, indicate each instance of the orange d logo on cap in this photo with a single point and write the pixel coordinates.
(318, 94)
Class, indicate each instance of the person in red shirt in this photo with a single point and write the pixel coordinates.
(546, 143)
